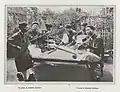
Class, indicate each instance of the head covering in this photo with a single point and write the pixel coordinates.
(35, 23)
(68, 26)
(84, 24)
(22, 25)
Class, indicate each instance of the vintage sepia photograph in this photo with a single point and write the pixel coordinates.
(59, 43)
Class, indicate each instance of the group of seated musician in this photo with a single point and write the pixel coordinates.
(40, 37)
(89, 38)
(22, 40)
(91, 41)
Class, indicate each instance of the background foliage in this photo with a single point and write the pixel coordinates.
(103, 21)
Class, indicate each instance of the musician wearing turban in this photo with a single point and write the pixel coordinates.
(34, 31)
(68, 36)
(22, 59)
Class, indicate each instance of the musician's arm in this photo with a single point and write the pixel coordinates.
(91, 47)
(15, 46)
(14, 36)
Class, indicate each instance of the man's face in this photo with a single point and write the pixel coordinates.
(25, 29)
(34, 26)
(89, 31)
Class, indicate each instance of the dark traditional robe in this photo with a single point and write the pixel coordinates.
(23, 60)
(97, 47)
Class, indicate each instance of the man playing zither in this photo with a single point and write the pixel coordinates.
(95, 45)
